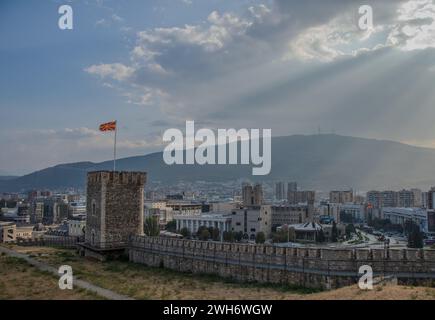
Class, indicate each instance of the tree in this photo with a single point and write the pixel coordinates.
(228, 236)
(200, 229)
(185, 233)
(415, 237)
(171, 226)
(280, 236)
(334, 233)
(203, 234)
(321, 236)
(216, 234)
(350, 228)
(151, 227)
(260, 238)
(238, 236)
(370, 219)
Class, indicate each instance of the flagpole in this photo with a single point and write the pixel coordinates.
(114, 148)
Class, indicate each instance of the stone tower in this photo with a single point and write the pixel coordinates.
(115, 204)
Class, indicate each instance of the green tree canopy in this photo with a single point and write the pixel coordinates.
(334, 233)
(185, 232)
(204, 234)
(171, 226)
(415, 237)
(151, 227)
(321, 236)
(260, 238)
(229, 236)
(238, 236)
(281, 236)
(215, 234)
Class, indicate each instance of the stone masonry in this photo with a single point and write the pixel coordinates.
(115, 207)
(307, 267)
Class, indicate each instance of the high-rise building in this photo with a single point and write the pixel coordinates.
(341, 196)
(247, 194)
(280, 193)
(374, 199)
(431, 199)
(424, 199)
(296, 197)
(292, 186)
(389, 199)
(404, 199)
(431, 221)
(37, 215)
(258, 194)
(252, 196)
(418, 198)
(60, 211)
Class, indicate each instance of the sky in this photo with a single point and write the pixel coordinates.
(296, 67)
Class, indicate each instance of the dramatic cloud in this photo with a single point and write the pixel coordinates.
(289, 65)
(115, 71)
(415, 28)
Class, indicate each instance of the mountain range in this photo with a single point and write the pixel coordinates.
(320, 162)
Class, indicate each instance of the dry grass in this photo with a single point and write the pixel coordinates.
(141, 282)
(21, 281)
(380, 292)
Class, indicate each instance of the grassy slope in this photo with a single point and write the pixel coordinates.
(19, 280)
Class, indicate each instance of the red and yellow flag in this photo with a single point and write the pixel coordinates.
(109, 126)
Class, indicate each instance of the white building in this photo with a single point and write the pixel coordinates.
(330, 210)
(402, 215)
(192, 223)
(252, 220)
(24, 232)
(164, 216)
(356, 212)
(76, 227)
(7, 232)
(184, 208)
(155, 204)
(76, 209)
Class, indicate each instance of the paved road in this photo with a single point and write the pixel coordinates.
(108, 294)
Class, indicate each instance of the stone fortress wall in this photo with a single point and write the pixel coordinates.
(307, 267)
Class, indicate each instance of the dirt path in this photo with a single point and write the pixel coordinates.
(108, 294)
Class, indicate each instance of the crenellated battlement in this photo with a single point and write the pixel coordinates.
(312, 252)
(117, 177)
(318, 267)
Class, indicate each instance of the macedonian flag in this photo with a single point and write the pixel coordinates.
(109, 126)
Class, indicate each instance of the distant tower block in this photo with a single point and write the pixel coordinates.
(115, 207)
